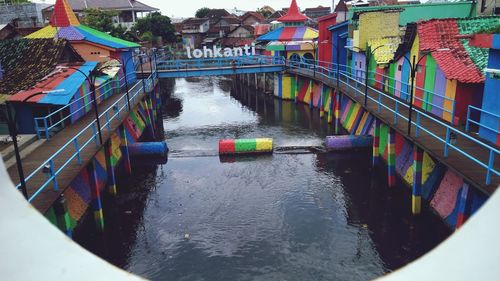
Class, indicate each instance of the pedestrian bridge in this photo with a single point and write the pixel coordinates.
(214, 66)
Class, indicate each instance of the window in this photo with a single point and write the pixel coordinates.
(295, 58)
(400, 67)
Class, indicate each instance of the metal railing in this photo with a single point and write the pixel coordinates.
(72, 149)
(172, 65)
(477, 124)
(46, 126)
(357, 85)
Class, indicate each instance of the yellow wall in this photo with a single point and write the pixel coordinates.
(300, 53)
(451, 89)
(91, 52)
(377, 25)
(286, 87)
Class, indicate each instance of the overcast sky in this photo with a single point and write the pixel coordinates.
(187, 8)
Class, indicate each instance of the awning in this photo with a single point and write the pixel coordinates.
(291, 46)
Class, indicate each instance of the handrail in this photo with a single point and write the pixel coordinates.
(48, 166)
(45, 120)
(480, 110)
(450, 130)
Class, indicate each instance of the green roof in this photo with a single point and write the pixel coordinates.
(473, 25)
(415, 12)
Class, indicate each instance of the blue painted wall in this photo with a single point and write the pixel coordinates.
(339, 38)
(25, 118)
(491, 99)
(126, 57)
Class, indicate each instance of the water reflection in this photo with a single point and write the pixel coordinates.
(286, 216)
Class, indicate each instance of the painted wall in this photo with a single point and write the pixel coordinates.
(370, 26)
(491, 100)
(91, 52)
(416, 12)
(339, 39)
(325, 37)
(446, 192)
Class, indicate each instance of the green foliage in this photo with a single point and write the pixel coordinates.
(103, 21)
(99, 19)
(265, 11)
(157, 25)
(202, 12)
(491, 30)
(147, 36)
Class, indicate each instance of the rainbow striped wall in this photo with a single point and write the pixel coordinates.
(80, 196)
(445, 191)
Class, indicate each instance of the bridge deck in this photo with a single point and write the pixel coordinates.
(47, 197)
(459, 163)
(212, 70)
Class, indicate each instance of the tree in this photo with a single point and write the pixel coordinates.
(202, 12)
(265, 11)
(99, 19)
(158, 25)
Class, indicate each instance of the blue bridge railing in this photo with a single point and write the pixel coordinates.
(50, 124)
(357, 85)
(72, 149)
(178, 65)
(480, 113)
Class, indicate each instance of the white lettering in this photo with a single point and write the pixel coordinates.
(238, 52)
(247, 48)
(218, 52)
(197, 54)
(228, 52)
(207, 53)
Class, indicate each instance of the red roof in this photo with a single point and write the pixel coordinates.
(293, 14)
(455, 63)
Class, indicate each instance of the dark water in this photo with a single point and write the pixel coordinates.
(288, 216)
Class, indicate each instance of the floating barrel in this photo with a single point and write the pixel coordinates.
(243, 146)
(348, 142)
(148, 149)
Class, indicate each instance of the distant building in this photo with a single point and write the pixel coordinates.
(128, 11)
(317, 12)
(252, 18)
(242, 31)
(214, 15)
(341, 11)
(194, 31)
(22, 15)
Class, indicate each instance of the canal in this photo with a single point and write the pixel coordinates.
(293, 215)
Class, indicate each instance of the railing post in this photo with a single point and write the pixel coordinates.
(396, 106)
(417, 129)
(37, 129)
(447, 142)
(46, 129)
(467, 121)
(53, 175)
(490, 167)
(77, 149)
(108, 121)
(94, 129)
(453, 112)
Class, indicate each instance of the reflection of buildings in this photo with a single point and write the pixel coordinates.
(128, 11)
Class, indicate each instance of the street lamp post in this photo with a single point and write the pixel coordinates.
(368, 55)
(94, 97)
(413, 73)
(12, 126)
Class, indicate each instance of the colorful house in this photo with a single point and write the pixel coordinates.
(490, 110)
(91, 44)
(296, 42)
(34, 81)
(325, 37)
(338, 37)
